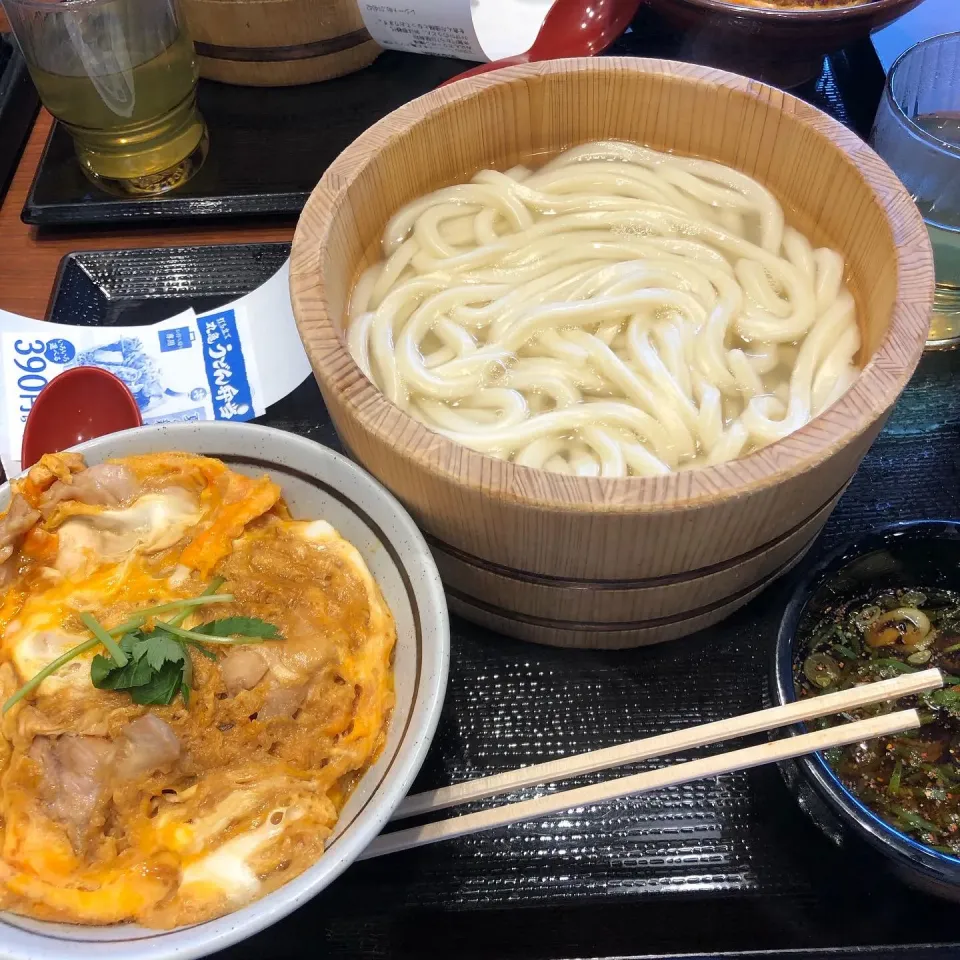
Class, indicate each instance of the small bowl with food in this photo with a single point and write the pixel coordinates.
(882, 606)
(616, 331)
(782, 42)
(224, 655)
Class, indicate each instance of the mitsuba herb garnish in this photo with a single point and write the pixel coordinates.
(152, 663)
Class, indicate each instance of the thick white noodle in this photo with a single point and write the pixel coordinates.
(617, 312)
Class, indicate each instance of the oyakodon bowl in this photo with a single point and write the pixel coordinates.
(578, 561)
(921, 554)
(317, 483)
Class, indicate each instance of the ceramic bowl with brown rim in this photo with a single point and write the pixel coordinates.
(782, 42)
(603, 562)
(316, 483)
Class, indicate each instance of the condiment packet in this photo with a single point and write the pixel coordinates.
(226, 364)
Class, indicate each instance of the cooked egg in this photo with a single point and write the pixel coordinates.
(152, 522)
(37, 643)
(227, 870)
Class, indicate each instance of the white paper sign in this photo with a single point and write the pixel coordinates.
(508, 27)
(274, 345)
(478, 30)
(439, 27)
(226, 364)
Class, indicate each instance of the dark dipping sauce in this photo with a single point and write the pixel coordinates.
(911, 780)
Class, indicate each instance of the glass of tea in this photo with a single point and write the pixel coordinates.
(917, 131)
(121, 76)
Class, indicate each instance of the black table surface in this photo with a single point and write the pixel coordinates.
(729, 866)
(269, 147)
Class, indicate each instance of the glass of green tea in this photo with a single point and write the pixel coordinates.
(121, 76)
(917, 131)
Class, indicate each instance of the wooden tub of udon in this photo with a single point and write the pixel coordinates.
(590, 561)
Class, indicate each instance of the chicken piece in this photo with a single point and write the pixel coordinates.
(52, 466)
(18, 519)
(73, 775)
(282, 702)
(147, 744)
(242, 669)
(49, 468)
(103, 485)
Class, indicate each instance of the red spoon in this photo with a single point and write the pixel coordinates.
(79, 404)
(572, 28)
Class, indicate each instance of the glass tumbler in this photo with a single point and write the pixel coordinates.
(917, 131)
(121, 76)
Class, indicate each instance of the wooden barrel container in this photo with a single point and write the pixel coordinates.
(595, 562)
(278, 43)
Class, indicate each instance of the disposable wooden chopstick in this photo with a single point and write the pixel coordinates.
(668, 776)
(669, 743)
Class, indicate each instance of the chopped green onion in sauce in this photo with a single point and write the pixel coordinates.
(911, 780)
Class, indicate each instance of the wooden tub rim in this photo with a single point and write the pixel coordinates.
(874, 391)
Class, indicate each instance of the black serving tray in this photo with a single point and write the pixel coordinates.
(18, 107)
(269, 147)
(729, 866)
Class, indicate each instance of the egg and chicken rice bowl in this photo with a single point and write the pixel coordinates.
(192, 681)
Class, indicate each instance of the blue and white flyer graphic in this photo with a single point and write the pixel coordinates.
(227, 364)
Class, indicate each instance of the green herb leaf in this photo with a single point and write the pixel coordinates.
(209, 654)
(94, 626)
(239, 627)
(236, 630)
(894, 785)
(914, 821)
(187, 673)
(947, 774)
(103, 668)
(163, 686)
(197, 639)
(105, 675)
(159, 665)
(946, 699)
(100, 670)
(144, 676)
(136, 644)
(162, 648)
(184, 607)
(154, 666)
(890, 663)
(844, 651)
(206, 597)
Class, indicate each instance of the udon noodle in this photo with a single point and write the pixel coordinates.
(616, 312)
